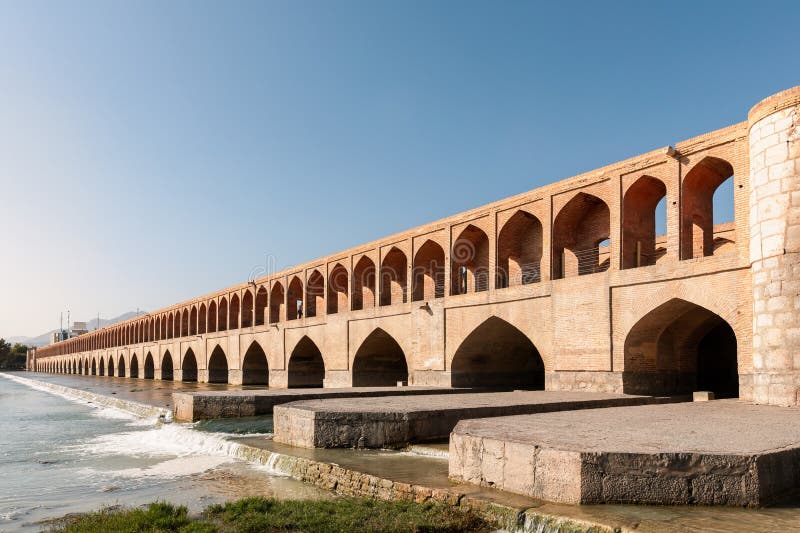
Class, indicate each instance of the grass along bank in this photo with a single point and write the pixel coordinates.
(256, 515)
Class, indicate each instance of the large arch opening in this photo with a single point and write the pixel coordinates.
(470, 262)
(680, 347)
(315, 294)
(111, 367)
(222, 314)
(121, 367)
(393, 278)
(202, 319)
(80, 366)
(149, 367)
(218, 366)
(581, 233)
(255, 369)
(427, 276)
(364, 284)
(261, 304)
(379, 362)
(189, 366)
(170, 327)
(233, 316)
(497, 354)
(639, 222)
(193, 321)
(184, 329)
(247, 309)
(86, 366)
(519, 251)
(698, 207)
(306, 366)
(337, 290)
(212, 316)
(167, 367)
(276, 298)
(134, 366)
(94, 367)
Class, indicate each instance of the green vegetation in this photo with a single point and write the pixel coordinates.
(12, 357)
(257, 515)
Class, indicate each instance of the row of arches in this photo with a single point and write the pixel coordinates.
(580, 244)
(675, 348)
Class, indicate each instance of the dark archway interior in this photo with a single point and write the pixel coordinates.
(94, 367)
(496, 354)
(379, 362)
(149, 370)
(189, 366)
(134, 366)
(218, 367)
(121, 367)
(111, 367)
(255, 369)
(680, 347)
(306, 367)
(167, 367)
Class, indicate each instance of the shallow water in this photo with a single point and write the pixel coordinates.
(61, 455)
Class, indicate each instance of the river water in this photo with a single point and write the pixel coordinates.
(60, 454)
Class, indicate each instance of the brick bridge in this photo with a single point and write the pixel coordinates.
(566, 287)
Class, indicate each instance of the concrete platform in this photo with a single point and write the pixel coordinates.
(193, 406)
(396, 422)
(721, 452)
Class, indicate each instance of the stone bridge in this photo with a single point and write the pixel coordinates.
(565, 287)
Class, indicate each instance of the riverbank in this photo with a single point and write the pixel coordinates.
(411, 476)
(271, 515)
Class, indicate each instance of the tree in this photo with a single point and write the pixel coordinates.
(13, 357)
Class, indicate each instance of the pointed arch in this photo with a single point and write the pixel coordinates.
(202, 319)
(255, 369)
(393, 285)
(470, 262)
(315, 294)
(184, 323)
(639, 222)
(189, 366)
(680, 347)
(697, 205)
(337, 289)
(276, 297)
(294, 299)
(306, 366)
(428, 272)
(134, 366)
(364, 284)
(170, 326)
(217, 366)
(167, 367)
(193, 321)
(212, 316)
(111, 367)
(121, 366)
(233, 315)
(379, 362)
(519, 251)
(579, 229)
(497, 354)
(222, 315)
(149, 366)
(262, 301)
(94, 366)
(247, 309)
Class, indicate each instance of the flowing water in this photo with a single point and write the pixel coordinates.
(61, 454)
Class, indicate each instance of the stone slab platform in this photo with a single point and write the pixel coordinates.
(193, 406)
(721, 452)
(394, 422)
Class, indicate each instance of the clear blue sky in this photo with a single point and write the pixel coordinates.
(134, 135)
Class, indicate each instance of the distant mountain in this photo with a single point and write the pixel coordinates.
(44, 338)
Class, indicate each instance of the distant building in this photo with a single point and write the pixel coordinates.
(78, 328)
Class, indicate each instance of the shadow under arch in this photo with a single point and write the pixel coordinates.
(306, 366)
(379, 362)
(121, 366)
(111, 367)
(218, 366)
(680, 347)
(94, 366)
(497, 354)
(134, 366)
(167, 367)
(189, 366)
(255, 368)
(149, 367)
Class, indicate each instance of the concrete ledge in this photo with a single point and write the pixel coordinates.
(396, 422)
(716, 453)
(193, 406)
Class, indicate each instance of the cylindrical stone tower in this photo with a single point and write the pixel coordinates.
(774, 125)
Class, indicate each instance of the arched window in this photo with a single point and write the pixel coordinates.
(364, 284)
(294, 299)
(698, 207)
(428, 272)
(470, 262)
(276, 303)
(337, 289)
(393, 278)
(519, 251)
(315, 294)
(639, 222)
(581, 232)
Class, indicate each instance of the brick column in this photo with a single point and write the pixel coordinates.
(774, 126)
